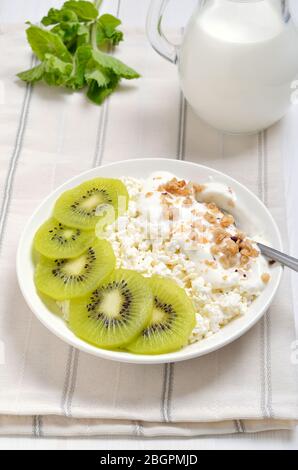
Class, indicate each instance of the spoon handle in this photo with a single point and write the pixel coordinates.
(276, 255)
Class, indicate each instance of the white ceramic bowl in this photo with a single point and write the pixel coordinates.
(260, 218)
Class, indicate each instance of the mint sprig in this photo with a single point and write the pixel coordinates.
(72, 47)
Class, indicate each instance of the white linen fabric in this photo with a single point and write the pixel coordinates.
(50, 389)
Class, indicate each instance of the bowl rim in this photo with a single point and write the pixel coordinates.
(122, 356)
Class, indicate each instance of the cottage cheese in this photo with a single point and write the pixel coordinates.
(178, 234)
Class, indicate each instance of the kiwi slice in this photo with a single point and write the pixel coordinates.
(66, 278)
(172, 319)
(56, 240)
(115, 313)
(97, 201)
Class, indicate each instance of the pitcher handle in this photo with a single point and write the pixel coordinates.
(154, 31)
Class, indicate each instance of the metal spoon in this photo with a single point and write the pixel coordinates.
(278, 256)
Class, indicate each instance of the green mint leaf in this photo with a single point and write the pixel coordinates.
(82, 56)
(98, 94)
(32, 75)
(99, 76)
(106, 32)
(85, 11)
(73, 35)
(115, 65)
(55, 16)
(116, 38)
(56, 71)
(53, 71)
(52, 17)
(45, 42)
(69, 51)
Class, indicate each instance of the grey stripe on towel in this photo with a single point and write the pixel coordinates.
(169, 369)
(265, 359)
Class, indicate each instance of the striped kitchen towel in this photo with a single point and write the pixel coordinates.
(50, 389)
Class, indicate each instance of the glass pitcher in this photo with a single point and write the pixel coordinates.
(238, 60)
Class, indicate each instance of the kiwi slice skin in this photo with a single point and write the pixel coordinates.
(56, 240)
(96, 202)
(67, 278)
(172, 319)
(115, 313)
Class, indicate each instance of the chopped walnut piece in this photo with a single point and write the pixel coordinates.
(247, 249)
(245, 244)
(265, 278)
(227, 220)
(172, 213)
(240, 235)
(210, 217)
(170, 266)
(149, 194)
(228, 261)
(168, 213)
(219, 235)
(212, 264)
(193, 236)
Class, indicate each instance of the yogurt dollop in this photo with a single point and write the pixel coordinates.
(192, 224)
